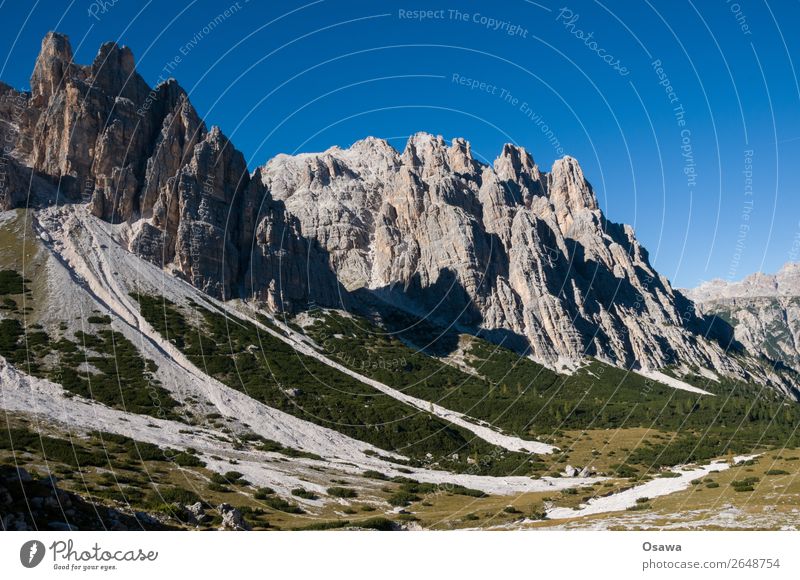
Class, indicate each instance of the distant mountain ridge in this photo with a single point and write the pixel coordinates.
(764, 310)
(785, 282)
(522, 255)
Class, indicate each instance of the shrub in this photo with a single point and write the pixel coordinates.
(184, 459)
(263, 492)
(538, 514)
(624, 470)
(95, 319)
(343, 492)
(177, 495)
(402, 498)
(461, 490)
(282, 505)
(304, 493)
(412, 486)
(11, 282)
(378, 524)
(319, 526)
(639, 507)
(746, 484)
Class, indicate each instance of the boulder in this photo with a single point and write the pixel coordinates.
(570, 471)
(232, 518)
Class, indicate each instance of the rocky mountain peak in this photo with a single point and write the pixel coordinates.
(114, 72)
(373, 145)
(426, 153)
(515, 158)
(53, 62)
(459, 157)
(569, 191)
(568, 186)
(762, 308)
(115, 56)
(516, 168)
(785, 282)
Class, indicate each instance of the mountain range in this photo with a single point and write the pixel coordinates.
(353, 312)
(523, 255)
(763, 310)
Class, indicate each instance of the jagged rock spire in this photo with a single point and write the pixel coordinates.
(52, 64)
(569, 191)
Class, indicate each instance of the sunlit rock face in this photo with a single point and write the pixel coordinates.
(521, 253)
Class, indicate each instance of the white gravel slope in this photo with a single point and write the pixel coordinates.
(652, 489)
(671, 382)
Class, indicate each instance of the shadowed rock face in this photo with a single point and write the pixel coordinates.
(507, 248)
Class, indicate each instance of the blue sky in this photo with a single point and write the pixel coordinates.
(666, 146)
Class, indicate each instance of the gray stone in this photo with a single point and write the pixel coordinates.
(232, 518)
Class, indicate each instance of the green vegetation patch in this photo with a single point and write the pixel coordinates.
(11, 282)
(342, 492)
(524, 398)
(102, 365)
(238, 354)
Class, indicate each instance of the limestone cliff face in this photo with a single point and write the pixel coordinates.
(522, 254)
(764, 310)
(144, 158)
(506, 248)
